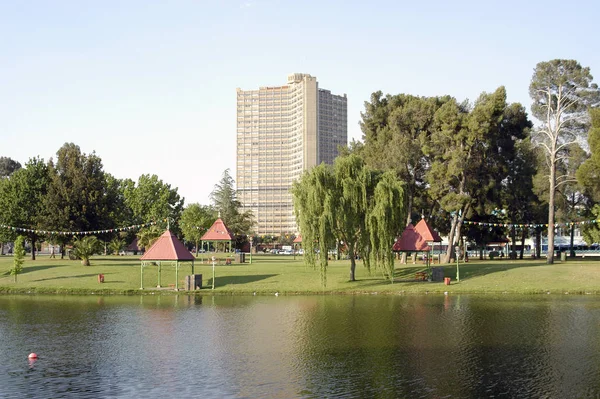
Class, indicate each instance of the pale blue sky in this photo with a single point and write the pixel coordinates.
(150, 85)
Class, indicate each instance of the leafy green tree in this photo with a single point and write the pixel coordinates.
(312, 206)
(194, 222)
(519, 167)
(18, 257)
(349, 202)
(461, 149)
(153, 200)
(385, 218)
(561, 91)
(8, 166)
(395, 131)
(6, 235)
(572, 204)
(225, 202)
(84, 248)
(22, 199)
(588, 175)
(353, 187)
(76, 198)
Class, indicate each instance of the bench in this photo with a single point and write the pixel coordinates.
(421, 276)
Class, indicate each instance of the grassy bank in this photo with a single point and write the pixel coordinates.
(284, 274)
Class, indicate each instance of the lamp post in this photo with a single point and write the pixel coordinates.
(457, 248)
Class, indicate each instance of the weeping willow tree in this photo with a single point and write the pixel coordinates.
(352, 189)
(386, 216)
(312, 205)
(342, 205)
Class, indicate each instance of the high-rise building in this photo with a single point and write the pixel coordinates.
(282, 131)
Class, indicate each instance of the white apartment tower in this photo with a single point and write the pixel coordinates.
(282, 131)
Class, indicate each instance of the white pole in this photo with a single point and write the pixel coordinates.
(213, 279)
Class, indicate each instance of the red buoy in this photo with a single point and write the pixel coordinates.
(32, 355)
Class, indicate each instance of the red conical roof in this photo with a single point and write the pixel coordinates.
(167, 247)
(410, 240)
(218, 232)
(298, 239)
(426, 232)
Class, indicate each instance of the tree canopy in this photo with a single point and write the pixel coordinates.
(194, 222)
(225, 203)
(353, 205)
(8, 166)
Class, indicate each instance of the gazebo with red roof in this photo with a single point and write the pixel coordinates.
(218, 232)
(417, 239)
(166, 249)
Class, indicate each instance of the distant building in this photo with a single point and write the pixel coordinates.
(282, 131)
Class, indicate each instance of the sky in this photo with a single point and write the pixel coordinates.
(150, 86)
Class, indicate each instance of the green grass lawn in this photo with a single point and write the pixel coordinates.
(284, 274)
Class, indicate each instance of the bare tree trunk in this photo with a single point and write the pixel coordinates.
(538, 243)
(353, 268)
(572, 251)
(33, 241)
(550, 254)
(513, 251)
(450, 249)
(523, 236)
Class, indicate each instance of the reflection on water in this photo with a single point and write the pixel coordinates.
(313, 347)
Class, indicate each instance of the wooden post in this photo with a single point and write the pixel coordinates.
(159, 263)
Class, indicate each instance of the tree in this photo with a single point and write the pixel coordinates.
(395, 131)
(571, 203)
(76, 199)
(350, 197)
(22, 199)
(18, 257)
(353, 204)
(519, 161)
(153, 200)
(8, 166)
(312, 204)
(85, 247)
(194, 222)
(385, 218)
(226, 204)
(465, 165)
(561, 91)
(588, 175)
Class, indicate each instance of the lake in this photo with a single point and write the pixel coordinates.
(367, 346)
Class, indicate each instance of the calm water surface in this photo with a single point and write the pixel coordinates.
(306, 347)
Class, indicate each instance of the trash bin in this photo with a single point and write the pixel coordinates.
(193, 282)
(563, 256)
(437, 273)
(446, 280)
